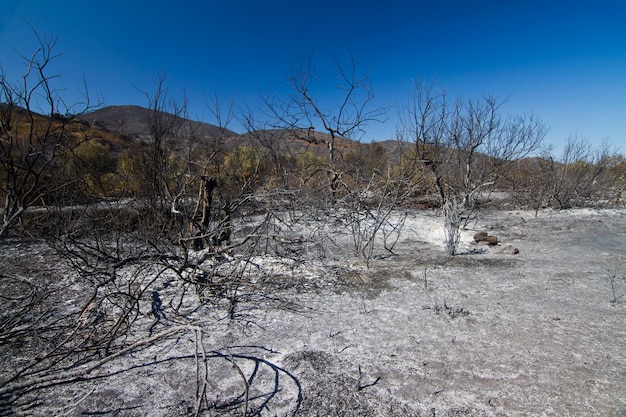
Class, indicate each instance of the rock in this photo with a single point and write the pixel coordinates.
(491, 240)
(480, 237)
(508, 249)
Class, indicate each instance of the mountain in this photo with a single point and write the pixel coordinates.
(133, 122)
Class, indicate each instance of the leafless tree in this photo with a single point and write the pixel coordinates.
(35, 132)
(425, 122)
(138, 289)
(582, 174)
(165, 125)
(320, 121)
(474, 123)
(451, 226)
(528, 181)
(467, 145)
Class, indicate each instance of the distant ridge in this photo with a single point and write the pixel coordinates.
(132, 121)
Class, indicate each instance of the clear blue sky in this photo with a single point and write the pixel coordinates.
(563, 60)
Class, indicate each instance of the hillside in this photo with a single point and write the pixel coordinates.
(133, 122)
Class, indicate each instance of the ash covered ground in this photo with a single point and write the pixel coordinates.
(410, 333)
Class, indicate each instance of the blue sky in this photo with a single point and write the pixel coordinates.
(564, 61)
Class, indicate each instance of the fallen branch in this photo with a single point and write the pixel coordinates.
(46, 381)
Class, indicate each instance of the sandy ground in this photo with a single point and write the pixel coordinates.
(418, 333)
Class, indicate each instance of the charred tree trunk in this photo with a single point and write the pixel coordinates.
(206, 199)
(222, 233)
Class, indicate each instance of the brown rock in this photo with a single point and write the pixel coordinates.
(480, 237)
(508, 249)
(491, 240)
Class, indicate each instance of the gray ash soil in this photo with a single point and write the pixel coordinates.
(415, 334)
